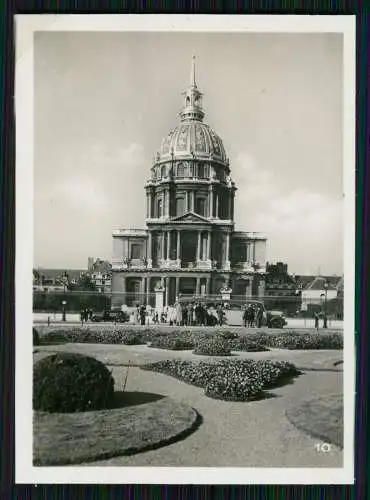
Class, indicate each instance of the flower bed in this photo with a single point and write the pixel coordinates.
(212, 347)
(239, 380)
(207, 341)
(304, 341)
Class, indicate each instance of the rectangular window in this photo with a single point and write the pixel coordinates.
(180, 205)
(135, 251)
(201, 206)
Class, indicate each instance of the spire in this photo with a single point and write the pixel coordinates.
(192, 109)
(192, 74)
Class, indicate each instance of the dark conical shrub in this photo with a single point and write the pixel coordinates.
(68, 383)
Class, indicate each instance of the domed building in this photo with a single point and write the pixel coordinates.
(190, 247)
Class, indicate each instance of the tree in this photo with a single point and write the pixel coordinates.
(84, 284)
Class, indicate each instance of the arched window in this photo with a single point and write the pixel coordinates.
(159, 207)
(163, 171)
(180, 170)
(188, 101)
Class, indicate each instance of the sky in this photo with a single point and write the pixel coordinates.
(103, 102)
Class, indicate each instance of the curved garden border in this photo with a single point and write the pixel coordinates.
(76, 438)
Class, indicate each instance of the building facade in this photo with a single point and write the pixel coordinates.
(190, 246)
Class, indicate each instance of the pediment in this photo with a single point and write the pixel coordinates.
(190, 217)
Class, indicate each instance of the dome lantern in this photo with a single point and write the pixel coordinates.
(192, 109)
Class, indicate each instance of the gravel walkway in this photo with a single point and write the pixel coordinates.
(255, 434)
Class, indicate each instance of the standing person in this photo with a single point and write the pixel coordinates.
(184, 312)
(203, 314)
(245, 318)
(142, 314)
(136, 315)
(90, 313)
(220, 314)
(252, 316)
(178, 309)
(190, 314)
(316, 316)
(259, 317)
(82, 314)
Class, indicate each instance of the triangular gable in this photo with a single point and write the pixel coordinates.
(190, 217)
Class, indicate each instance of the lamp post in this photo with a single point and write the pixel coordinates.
(326, 286)
(64, 303)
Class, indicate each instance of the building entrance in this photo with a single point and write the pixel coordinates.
(187, 286)
(189, 247)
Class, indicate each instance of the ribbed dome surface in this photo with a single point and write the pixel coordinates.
(193, 137)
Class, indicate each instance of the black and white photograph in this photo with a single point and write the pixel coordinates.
(185, 212)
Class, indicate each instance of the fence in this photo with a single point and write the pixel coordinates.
(73, 302)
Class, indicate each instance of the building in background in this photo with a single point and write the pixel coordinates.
(190, 246)
(282, 292)
(323, 289)
(100, 273)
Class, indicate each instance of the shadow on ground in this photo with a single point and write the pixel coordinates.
(125, 398)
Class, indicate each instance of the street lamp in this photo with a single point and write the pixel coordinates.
(326, 286)
(64, 303)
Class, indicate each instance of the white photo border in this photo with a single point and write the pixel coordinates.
(25, 26)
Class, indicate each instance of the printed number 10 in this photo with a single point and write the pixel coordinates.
(323, 447)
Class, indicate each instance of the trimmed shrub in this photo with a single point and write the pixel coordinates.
(212, 347)
(239, 380)
(305, 341)
(68, 383)
(172, 343)
(247, 345)
(36, 336)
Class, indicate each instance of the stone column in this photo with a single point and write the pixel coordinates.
(261, 288)
(209, 245)
(216, 214)
(229, 215)
(149, 250)
(187, 201)
(168, 245)
(177, 287)
(142, 290)
(208, 286)
(167, 290)
(178, 239)
(210, 201)
(198, 246)
(227, 252)
(248, 288)
(193, 201)
(163, 255)
(197, 290)
(124, 301)
(147, 292)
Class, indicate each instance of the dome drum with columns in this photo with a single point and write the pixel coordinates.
(190, 246)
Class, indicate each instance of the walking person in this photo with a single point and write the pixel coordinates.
(190, 314)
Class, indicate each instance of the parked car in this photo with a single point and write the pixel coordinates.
(111, 316)
(276, 319)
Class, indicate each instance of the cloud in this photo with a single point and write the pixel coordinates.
(301, 225)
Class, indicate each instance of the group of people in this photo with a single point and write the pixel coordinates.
(85, 314)
(252, 316)
(140, 315)
(194, 314)
(182, 314)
